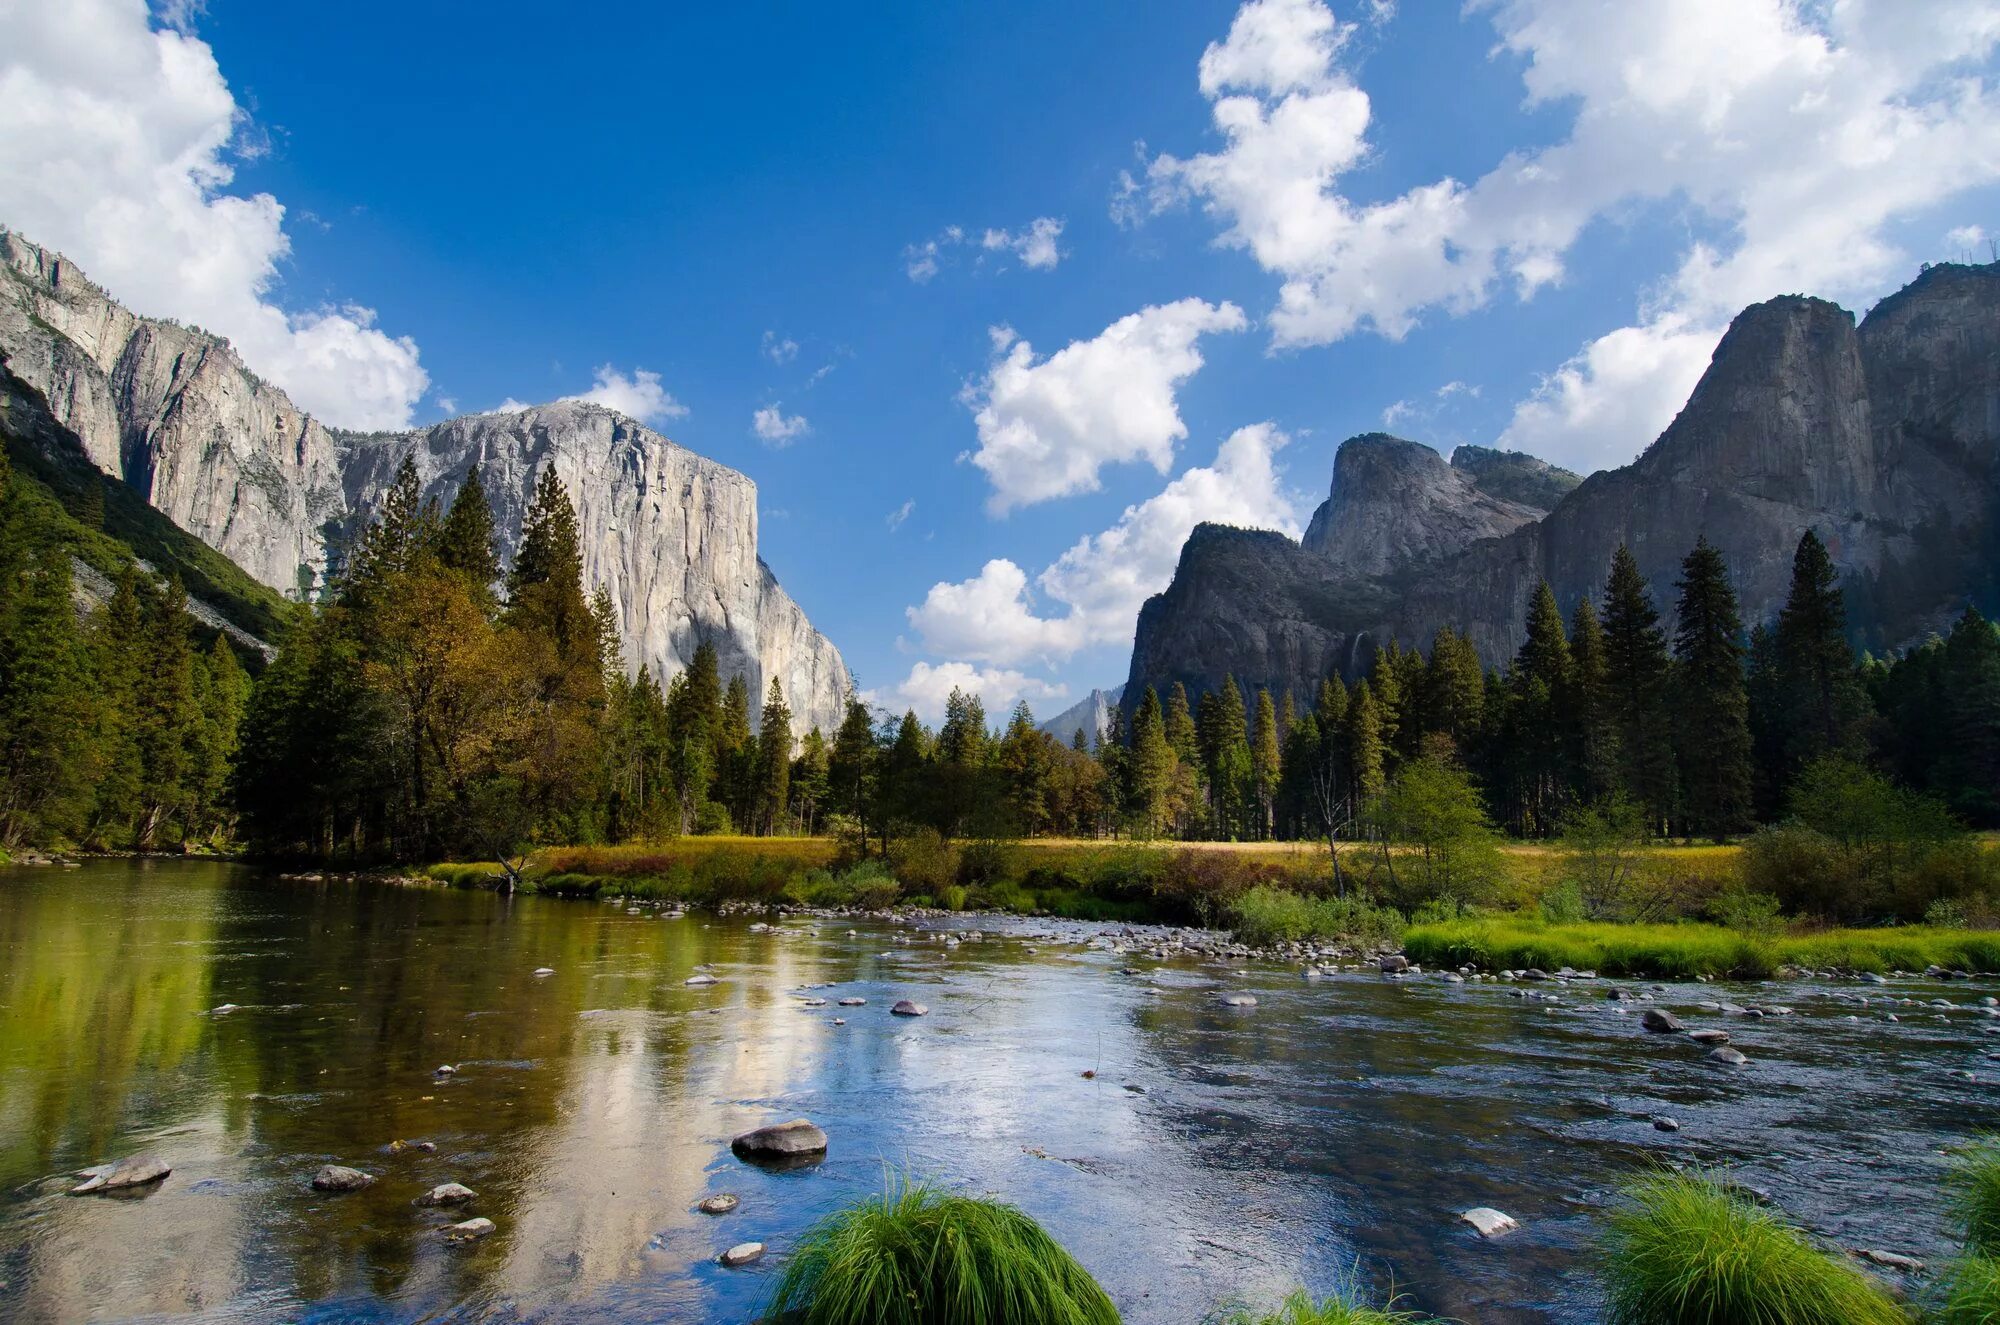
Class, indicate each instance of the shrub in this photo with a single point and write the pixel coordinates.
(1945, 914)
(1563, 904)
(915, 1256)
(1301, 1309)
(924, 861)
(1747, 912)
(1266, 915)
(1684, 1250)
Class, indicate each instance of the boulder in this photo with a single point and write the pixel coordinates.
(1727, 1057)
(743, 1253)
(780, 1142)
(1394, 964)
(339, 1178)
(1709, 1037)
(1239, 1000)
(905, 1008)
(449, 1193)
(1661, 1022)
(469, 1231)
(123, 1175)
(1491, 1223)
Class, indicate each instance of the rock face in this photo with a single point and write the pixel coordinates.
(1397, 505)
(1088, 715)
(1515, 476)
(174, 413)
(1884, 439)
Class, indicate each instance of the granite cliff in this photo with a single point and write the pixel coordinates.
(1884, 438)
(172, 412)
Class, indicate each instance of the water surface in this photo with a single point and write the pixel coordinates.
(1336, 1128)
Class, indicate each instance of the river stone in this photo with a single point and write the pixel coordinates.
(720, 1204)
(339, 1178)
(121, 1175)
(743, 1253)
(448, 1193)
(1729, 1057)
(1661, 1022)
(796, 1139)
(853, 1002)
(545, 970)
(398, 1147)
(1239, 1000)
(1665, 1125)
(1890, 1260)
(905, 1008)
(699, 980)
(1491, 1223)
(1393, 964)
(1709, 1037)
(469, 1231)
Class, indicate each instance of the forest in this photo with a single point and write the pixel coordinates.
(434, 704)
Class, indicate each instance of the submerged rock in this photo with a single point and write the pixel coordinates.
(1239, 1000)
(399, 1147)
(1727, 1057)
(700, 980)
(339, 1178)
(743, 1253)
(720, 1204)
(1491, 1223)
(122, 1175)
(781, 1142)
(449, 1193)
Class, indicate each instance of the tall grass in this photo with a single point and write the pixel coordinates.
(1969, 1293)
(1265, 915)
(915, 1256)
(1301, 1309)
(1686, 950)
(1683, 1250)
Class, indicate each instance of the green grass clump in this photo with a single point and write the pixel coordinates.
(915, 1256)
(1969, 1293)
(1684, 1250)
(1267, 914)
(1338, 1309)
(1974, 1183)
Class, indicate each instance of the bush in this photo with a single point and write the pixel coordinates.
(1563, 904)
(1684, 1250)
(1748, 913)
(1945, 914)
(1301, 1309)
(917, 1257)
(924, 861)
(1266, 915)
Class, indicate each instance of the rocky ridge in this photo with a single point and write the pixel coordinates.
(1884, 438)
(173, 412)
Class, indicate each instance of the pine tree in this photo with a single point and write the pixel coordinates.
(1366, 776)
(168, 721)
(1266, 762)
(1385, 683)
(735, 753)
(1024, 769)
(905, 785)
(811, 777)
(1591, 745)
(851, 766)
(1454, 689)
(772, 791)
(45, 700)
(1533, 741)
(1153, 764)
(1967, 770)
(1182, 734)
(465, 541)
(1637, 672)
(1712, 706)
(1822, 701)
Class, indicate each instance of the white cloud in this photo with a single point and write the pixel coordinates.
(1968, 243)
(1800, 131)
(1619, 389)
(1103, 579)
(1046, 428)
(118, 152)
(780, 349)
(773, 425)
(1035, 246)
(449, 404)
(928, 687)
(901, 514)
(511, 406)
(639, 396)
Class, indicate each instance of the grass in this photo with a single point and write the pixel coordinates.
(915, 1256)
(1968, 1293)
(1683, 1250)
(1682, 951)
(1266, 915)
(1301, 1309)
(1974, 1187)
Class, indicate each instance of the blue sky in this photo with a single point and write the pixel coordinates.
(1279, 224)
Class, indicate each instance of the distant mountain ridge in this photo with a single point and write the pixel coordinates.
(174, 413)
(1088, 715)
(1884, 438)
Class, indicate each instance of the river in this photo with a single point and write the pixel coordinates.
(1337, 1128)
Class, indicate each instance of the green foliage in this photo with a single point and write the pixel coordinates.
(1974, 1186)
(915, 1256)
(1685, 1250)
(1266, 915)
(1432, 805)
(1968, 1293)
(1301, 1308)
(1748, 912)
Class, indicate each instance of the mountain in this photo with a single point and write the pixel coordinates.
(172, 412)
(1884, 438)
(1088, 715)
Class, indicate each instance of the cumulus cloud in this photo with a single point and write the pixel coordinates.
(1047, 427)
(1801, 132)
(928, 686)
(119, 153)
(773, 425)
(1035, 245)
(1102, 580)
(639, 396)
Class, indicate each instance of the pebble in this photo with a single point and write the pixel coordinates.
(853, 1002)
(1661, 1022)
(699, 980)
(799, 1137)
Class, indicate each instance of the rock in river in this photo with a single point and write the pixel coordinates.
(470, 1231)
(1709, 1037)
(449, 1193)
(339, 1178)
(1491, 1223)
(123, 1175)
(798, 1139)
(1661, 1022)
(1239, 1000)
(720, 1204)
(1727, 1057)
(743, 1253)
(905, 1008)
(1394, 964)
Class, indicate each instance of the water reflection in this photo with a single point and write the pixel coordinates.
(1213, 1151)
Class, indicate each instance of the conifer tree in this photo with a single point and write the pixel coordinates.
(1385, 683)
(1153, 764)
(1454, 689)
(1967, 773)
(904, 784)
(851, 765)
(1590, 743)
(772, 793)
(1181, 732)
(1821, 698)
(1367, 776)
(1533, 737)
(465, 541)
(1637, 672)
(1266, 762)
(811, 776)
(1712, 706)
(46, 697)
(1024, 770)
